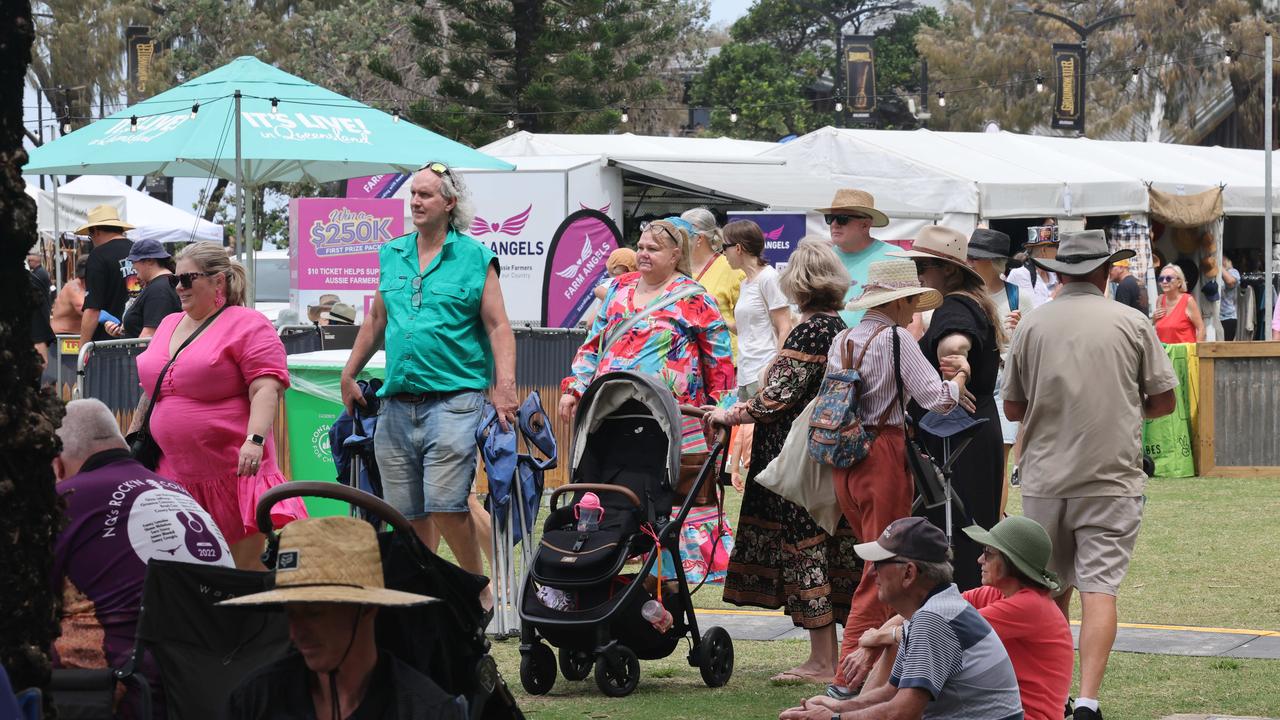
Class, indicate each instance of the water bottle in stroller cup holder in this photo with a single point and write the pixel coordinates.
(588, 512)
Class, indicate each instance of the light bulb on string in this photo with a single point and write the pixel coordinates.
(839, 106)
(942, 100)
(626, 115)
(395, 115)
(275, 105)
(66, 127)
(511, 121)
(1039, 83)
(133, 123)
(195, 109)
(1135, 75)
(733, 115)
(1229, 56)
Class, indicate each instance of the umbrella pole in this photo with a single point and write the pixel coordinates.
(57, 233)
(250, 265)
(239, 181)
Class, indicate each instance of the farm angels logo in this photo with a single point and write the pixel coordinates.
(575, 264)
(511, 227)
(349, 232)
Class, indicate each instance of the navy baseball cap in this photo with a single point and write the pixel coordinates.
(913, 538)
(147, 249)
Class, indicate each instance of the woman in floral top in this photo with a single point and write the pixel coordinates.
(685, 344)
(781, 558)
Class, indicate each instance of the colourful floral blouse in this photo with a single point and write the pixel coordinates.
(685, 345)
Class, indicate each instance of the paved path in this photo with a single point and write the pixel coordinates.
(1131, 637)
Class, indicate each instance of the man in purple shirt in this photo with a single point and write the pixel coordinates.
(119, 516)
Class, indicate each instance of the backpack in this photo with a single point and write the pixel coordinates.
(837, 436)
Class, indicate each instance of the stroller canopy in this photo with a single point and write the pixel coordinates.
(606, 396)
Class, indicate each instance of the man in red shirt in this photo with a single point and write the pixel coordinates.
(1015, 599)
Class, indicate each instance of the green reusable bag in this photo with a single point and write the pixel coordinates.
(1168, 439)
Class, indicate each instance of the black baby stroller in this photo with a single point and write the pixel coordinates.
(626, 449)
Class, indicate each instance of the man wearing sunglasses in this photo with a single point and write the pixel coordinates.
(950, 663)
(440, 315)
(851, 216)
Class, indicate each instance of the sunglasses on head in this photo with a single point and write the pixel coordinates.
(843, 219)
(438, 168)
(186, 280)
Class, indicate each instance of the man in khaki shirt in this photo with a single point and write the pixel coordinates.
(1083, 372)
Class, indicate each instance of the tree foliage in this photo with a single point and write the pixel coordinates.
(766, 87)
(556, 65)
(986, 59)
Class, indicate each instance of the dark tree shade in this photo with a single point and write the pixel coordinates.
(29, 513)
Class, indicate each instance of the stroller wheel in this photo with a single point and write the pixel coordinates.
(575, 664)
(618, 671)
(715, 657)
(537, 669)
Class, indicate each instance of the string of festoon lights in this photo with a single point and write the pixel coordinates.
(624, 112)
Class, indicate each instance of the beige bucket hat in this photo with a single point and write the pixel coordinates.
(889, 280)
(936, 242)
(850, 200)
(329, 560)
(104, 216)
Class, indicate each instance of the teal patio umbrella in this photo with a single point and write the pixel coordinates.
(251, 123)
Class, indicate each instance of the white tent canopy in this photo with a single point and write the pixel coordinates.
(154, 219)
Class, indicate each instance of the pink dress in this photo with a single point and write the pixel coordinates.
(202, 417)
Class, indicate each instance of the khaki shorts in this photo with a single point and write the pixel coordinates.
(1093, 538)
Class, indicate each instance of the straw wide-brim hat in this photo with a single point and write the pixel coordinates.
(849, 200)
(1080, 253)
(104, 216)
(329, 560)
(936, 242)
(889, 280)
(1024, 542)
(340, 313)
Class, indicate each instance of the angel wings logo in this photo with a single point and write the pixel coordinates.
(512, 226)
(583, 257)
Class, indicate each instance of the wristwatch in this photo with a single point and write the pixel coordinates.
(256, 439)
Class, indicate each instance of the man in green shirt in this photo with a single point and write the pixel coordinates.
(439, 313)
(851, 216)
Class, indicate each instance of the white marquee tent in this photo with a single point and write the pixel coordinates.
(154, 219)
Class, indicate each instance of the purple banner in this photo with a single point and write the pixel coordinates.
(575, 265)
(375, 186)
(782, 232)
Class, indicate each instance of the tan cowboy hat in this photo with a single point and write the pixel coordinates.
(935, 242)
(889, 280)
(329, 560)
(849, 200)
(1082, 252)
(104, 216)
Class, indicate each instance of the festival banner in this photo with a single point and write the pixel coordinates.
(376, 186)
(1068, 66)
(575, 265)
(782, 232)
(860, 75)
(335, 244)
(140, 51)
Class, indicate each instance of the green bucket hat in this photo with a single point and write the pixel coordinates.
(1024, 543)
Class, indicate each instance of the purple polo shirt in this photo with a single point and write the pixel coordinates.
(119, 516)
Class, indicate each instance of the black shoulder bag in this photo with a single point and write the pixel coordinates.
(142, 445)
(924, 471)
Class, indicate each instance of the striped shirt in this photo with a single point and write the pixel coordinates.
(921, 381)
(949, 651)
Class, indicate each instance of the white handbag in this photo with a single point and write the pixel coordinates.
(795, 476)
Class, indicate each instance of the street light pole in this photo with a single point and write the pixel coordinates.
(1083, 32)
(1267, 219)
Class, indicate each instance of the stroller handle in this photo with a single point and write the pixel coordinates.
(593, 487)
(333, 491)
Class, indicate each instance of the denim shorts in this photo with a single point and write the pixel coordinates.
(427, 452)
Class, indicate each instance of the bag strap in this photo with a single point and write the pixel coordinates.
(663, 302)
(866, 346)
(900, 399)
(155, 393)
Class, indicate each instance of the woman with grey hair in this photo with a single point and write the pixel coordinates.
(782, 558)
(711, 269)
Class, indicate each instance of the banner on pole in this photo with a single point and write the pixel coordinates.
(860, 75)
(575, 265)
(1068, 66)
(141, 51)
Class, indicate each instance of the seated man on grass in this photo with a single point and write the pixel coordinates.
(950, 664)
(1014, 599)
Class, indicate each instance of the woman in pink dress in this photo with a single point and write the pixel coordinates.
(219, 398)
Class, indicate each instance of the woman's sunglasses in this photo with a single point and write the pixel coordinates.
(843, 219)
(186, 280)
(1167, 279)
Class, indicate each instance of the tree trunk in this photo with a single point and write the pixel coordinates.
(28, 415)
(528, 23)
(215, 199)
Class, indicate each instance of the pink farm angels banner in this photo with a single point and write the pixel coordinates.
(575, 265)
(335, 245)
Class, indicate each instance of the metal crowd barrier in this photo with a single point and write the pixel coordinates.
(108, 370)
(60, 371)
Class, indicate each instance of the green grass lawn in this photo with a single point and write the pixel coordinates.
(1138, 687)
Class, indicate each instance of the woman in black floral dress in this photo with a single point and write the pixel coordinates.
(781, 558)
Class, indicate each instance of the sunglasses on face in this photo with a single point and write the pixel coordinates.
(1168, 278)
(843, 219)
(186, 280)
